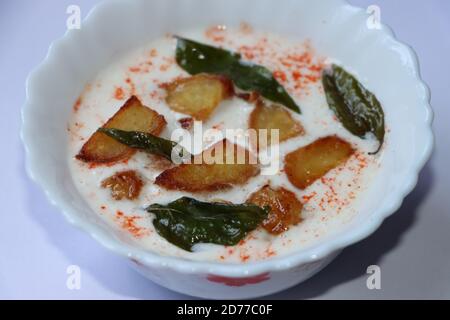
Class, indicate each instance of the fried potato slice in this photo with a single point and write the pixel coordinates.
(219, 167)
(273, 116)
(124, 185)
(285, 208)
(307, 164)
(199, 95)
(132, 116)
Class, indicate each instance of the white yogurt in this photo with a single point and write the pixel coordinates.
(329, 204)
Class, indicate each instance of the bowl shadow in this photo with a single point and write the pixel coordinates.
(109, 270)
(352, 263)
(115, 275)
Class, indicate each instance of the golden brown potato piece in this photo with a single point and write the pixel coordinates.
(272, 116)
(124, 185)
(284, 205)
(132, 116)
(210, 175)
(307, 164)
(199, 95)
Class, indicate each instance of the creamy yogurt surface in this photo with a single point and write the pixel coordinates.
(328, 204)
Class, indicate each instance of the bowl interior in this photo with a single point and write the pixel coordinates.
(336, 29)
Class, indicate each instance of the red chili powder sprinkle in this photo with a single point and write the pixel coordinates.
(132, 86)
(244, 257)
(248, 54)
(128, 223)
(331, 198)
(216, 33)
(242, 242)
(77, 104)
(312, 78)
(303, 69)
(270, 252)
(296, 68)
(142, 67)
(156, 94)
(153, 53)
(119, 94)
(164, 85)
(280, 76)
(351, 195)
(362, 160)
(134, 69)
(94, 165)
(168, 63)
(306, 198)
(296, 75)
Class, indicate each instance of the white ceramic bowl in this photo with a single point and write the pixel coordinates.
(386, 66)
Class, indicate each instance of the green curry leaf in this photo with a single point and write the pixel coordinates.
(186, 221)
(195, 57)
(357, 108)
(149, 143)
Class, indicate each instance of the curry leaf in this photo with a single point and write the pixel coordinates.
(356, 107)
(186, 221)
(195, 57)
(149, 143)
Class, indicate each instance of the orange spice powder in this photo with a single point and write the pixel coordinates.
(119, 93)
(77, 104)
(216, 33)
(129, 224)
(131, 85)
